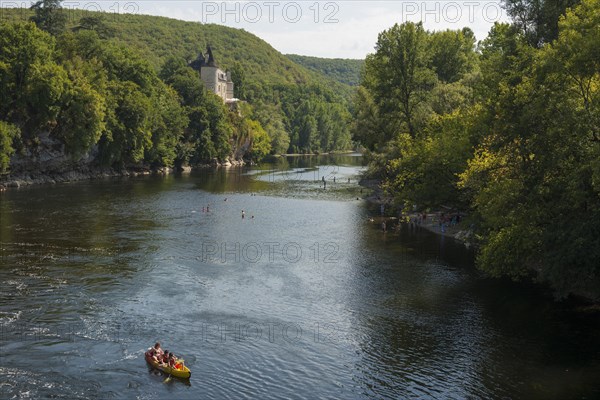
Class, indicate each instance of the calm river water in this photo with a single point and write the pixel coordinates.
(305, 297)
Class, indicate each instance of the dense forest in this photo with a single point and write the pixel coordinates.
(341, 69)
(118, 89)
(506, 130)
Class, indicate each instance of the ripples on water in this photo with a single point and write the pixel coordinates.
(94, 273)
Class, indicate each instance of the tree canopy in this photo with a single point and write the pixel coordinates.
(508, 132)
(107, 87)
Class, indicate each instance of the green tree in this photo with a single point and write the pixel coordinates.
(125, 64)
(575, 56)
(128, 132)
(238, 76)
(49, 16)
(365, 126)
(260, 143)
(280, 140)
(8, 133)
(167, 123)
(453, 53)
(81, 120)
(271, 119)
(425, 170)
(534, 176)
(45, 87)
(189, 86)
(95, 23)
(398, 76)
(22, 46)
(538, 19)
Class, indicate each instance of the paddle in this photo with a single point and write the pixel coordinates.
(168, 377)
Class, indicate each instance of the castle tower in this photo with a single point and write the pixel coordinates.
(215, 79)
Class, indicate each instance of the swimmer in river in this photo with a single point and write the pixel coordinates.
(207, 208)
(243, 214)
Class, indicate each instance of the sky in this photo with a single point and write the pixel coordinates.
(331, 29)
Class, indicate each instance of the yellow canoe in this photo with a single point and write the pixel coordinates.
(183, 372)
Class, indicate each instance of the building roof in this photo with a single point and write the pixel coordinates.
(211, 59)
(204, 60)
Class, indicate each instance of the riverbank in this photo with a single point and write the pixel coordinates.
(445, 223)
(80, 174)
(87, 172)
(439, 222)
(49, 163)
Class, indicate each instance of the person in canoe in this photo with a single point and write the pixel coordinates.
(173, 361)
(155, 352)
(170, 360)
(163, 360)
(167, 362)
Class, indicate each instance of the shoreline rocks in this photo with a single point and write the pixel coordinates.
(49, 163)
(86, 172)
(41, 178)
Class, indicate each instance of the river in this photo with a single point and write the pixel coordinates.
(302, 298)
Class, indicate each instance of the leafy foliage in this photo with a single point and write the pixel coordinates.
(49, 16)
(119, 87)
(510, 134)
(399, 77)
(538, 19)
(8, 133)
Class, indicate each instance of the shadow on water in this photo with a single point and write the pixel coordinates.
(94, 272)
(434, 326)
(159, 376)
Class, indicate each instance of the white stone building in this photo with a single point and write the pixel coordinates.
(214, 78)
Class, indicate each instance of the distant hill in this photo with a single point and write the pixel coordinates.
(123, 65)
(157, 38)
(343, 70)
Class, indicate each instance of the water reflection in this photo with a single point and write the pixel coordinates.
(95, 272)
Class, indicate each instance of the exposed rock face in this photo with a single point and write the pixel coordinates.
(48, 156)
(48, 162)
